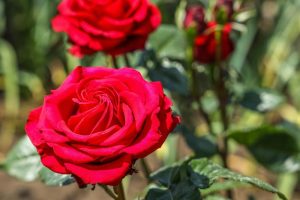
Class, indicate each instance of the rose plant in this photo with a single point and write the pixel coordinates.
(181, 57)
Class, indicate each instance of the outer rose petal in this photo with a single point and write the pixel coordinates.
(32, 129)
(52, 162)
(110, 173)
(131, 44)
(151, 138)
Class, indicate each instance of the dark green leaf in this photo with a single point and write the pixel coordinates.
(215, 172)
(184, 190)
(266, 145)
(204, 146)
(166, 175)
(170, 76)
(179, 181)
(159, 194)
(261, 100)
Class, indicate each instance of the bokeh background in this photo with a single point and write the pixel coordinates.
(34, 60)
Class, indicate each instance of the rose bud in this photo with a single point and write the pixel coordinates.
(99, 122)
(195, 18)
(223, 11)
(207, 44)
(112, 26)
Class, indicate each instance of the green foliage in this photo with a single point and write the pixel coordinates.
(176, 183)
(273, 147)
(261, 100)
(169, 41)
(169, 72)
(54, 179)
(204, 146)
(215, 172)
(185, 180)
(24, 163)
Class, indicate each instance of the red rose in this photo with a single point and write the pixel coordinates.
(206, 44)
(195, 18)
(112, 26)
(98, 122)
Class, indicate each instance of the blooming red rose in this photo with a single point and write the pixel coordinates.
(206, 44)
(112, 26)
(98, 122)
(195, 18)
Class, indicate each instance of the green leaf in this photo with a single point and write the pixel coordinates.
(158, 194)
(204, 146)
(179, 182)
(169, 41)
(166, 175)
(171, 78)
(221, 186)
(265, 144)
(169, 72)
(184, 190)
(53, 179)
(215, 172)
(261, 100)
(23, 161)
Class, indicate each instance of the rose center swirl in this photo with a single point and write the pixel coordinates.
(96, 108)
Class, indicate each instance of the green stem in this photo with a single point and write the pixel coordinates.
(197, 98)
(109, 191)
(222, 95)
(114, 61)
(126, 59)
(119, 190)
(146, 169)
(286, 184)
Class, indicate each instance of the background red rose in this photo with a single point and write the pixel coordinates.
(206, 44)
(112, 26)
(98, 122)
(195, 17)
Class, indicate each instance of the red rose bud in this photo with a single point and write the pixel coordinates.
(206, 44)
(223, 11)
(195, 18)
(112, 26)
(99, 122)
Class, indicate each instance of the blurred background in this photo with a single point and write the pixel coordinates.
(34, 60)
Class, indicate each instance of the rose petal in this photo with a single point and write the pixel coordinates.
(125, 134)
(110, 173)
(104, 152)
(52, 162)
(32, 129)
(69, 154)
